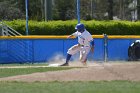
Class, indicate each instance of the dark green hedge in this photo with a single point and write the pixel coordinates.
(67, 27)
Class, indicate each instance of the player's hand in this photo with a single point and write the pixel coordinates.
(70, 36)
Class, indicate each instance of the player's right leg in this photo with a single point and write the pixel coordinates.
(73, 50)
(83, 58)
(83, 54)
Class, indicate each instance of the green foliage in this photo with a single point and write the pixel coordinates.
(68, 27)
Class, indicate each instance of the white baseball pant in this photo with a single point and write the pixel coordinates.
(84, 50)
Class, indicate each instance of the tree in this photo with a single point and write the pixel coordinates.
(48, 10)
(35, 10)
(110, 9)
(86, 9)
(8, 11)
(64, 9)
(138, 7)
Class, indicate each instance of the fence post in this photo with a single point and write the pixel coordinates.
(105, 47)
(78, 11)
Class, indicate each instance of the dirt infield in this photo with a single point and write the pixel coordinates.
(91, 72)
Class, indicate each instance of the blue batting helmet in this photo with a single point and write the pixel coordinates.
(80, 27)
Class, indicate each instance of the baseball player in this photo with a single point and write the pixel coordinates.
(85, 44)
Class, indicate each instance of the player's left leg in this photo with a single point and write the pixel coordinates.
(67, 60)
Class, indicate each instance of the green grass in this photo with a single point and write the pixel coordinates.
(5, 72)
(70, 87)
(26, 64)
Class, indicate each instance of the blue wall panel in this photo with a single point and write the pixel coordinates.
(3, 51)
(46, 49)
(99, 50)
(118, 49)
(42, 50)
(19, 51)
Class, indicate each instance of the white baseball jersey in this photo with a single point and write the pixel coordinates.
(83, 38)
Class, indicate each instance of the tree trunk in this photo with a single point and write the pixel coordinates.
(48, 10)
(138, 7)
(110, 9)
(42, 8)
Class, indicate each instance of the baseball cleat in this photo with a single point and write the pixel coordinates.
(84, 63)
(65, 64)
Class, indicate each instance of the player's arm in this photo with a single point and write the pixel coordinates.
(72, 35)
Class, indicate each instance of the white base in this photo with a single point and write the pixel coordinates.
(53, 65)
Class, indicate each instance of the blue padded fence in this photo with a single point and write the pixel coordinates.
(31, 50)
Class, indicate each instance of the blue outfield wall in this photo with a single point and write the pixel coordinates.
(24, 50)
(117, 49)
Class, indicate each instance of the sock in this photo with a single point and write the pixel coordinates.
(68, 58)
